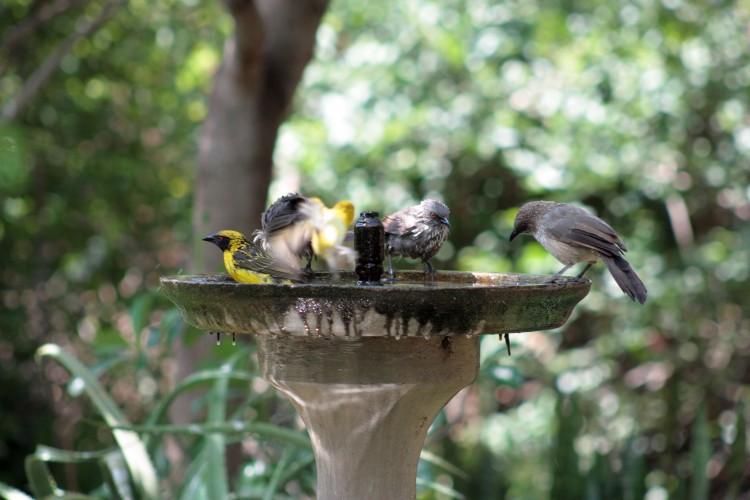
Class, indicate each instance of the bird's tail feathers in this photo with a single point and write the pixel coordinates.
(626, 278)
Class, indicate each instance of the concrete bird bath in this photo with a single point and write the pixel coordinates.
(369, 367)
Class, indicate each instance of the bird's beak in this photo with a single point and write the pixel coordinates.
(210, 238)
(515, 233)
(445, 221)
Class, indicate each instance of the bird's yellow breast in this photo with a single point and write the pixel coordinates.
(243, 275)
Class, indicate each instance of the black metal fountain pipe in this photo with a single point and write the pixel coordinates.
(369, 242)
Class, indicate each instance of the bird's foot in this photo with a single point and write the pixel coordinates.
(429, 278)
(559, 274)
(429, 272)
(563, 279)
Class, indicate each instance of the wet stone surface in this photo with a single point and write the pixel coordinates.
(454, 304)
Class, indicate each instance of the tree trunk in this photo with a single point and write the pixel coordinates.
(250, 98)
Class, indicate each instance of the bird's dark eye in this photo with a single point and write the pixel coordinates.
(219, 238)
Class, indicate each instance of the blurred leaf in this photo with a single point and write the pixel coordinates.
(634, 474)
(207, 476)
(194, 487)
(9, 493)
(215, 473)
(566, 477)
(50, 454)
(508, 375)
(170, 327)
(700, 454)
(438, 488)
(14, 174)
(40, 479)
(133, 449)
(278, 473)
(601, 483)
(441, 463)
(738, 457)
(116, 477)
(138, 311)
(266, 430)
(190, 382)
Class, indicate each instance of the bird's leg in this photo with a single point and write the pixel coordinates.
(390, 268)
(588, 265)
(308, 267)
(557, 274)
(429, 269)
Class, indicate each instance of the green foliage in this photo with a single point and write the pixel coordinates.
(639, 111)
(206, 475)
(566, 479)
(700, 454)
(95, 182)
(138, 463)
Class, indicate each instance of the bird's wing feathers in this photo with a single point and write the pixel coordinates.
(290, 242)
(400, 224)
(575, 226)
(255, 259)
(258, 237)
(282, 213)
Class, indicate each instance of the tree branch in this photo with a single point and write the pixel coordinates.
(45, 13)
(244, 51)
(43, 73)
(291, 26)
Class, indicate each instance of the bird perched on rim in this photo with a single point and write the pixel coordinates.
(573, 235)
(319, 228)
(278, 217)
(247, 262)
(417, 232)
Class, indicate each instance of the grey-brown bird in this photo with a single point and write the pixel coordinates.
(417, 232)
(573, 235)
(280, 216)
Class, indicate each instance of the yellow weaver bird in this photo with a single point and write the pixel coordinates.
(321, 228)
(328, 225)
(247, 262)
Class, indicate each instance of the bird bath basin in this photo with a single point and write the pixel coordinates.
(369, 367)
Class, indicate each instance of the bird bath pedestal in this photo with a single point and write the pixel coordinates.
(369, 367)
